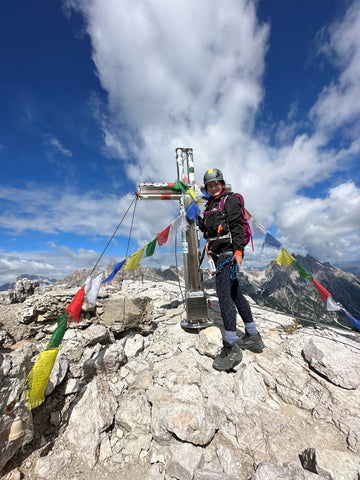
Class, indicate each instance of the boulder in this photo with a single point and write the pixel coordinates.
(91, 415)
(123, 312)
(332, 361)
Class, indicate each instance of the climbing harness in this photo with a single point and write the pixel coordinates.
(233, 269)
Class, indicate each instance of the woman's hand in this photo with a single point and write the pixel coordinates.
(238, 258)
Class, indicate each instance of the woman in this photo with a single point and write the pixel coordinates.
(225, 234)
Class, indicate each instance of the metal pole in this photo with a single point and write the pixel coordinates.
(185, 245)
(196, 306)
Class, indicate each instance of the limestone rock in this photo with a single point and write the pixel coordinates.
(123, 312)
(58, 373)
(266, 471)
(205, 474)
(133, 345)
(182, 413)
(209, 342)
(333, 361)
(96, 334)
(134, 414)
(51, 465)
(331, 464)
(91, 416)
(183, 460)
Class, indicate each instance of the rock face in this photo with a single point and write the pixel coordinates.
(133, 395)
(23, 288)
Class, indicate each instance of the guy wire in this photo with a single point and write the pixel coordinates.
(112, 236)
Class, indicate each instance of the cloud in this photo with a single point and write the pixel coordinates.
(330, 225)
(184, 76)
(55, 263)
(50, 211)
(192, 75)
(58, 148)
(339, 103)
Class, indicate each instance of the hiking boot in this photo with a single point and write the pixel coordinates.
(252, 342)
(229, 357)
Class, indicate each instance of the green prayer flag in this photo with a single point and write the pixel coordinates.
(302, 272)
(180, 185)
(150, 248)
(57, 336)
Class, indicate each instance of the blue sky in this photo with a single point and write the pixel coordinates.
(96, 96)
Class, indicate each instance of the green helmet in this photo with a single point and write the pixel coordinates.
(213, 174)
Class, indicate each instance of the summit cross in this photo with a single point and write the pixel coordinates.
(195, 299)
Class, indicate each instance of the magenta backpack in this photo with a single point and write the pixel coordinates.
(245, 216)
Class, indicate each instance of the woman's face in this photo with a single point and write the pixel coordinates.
(214, 188)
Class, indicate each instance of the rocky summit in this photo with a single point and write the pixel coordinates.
(132, 395)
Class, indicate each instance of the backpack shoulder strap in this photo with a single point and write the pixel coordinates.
(223, 200)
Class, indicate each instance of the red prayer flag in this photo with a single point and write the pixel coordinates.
(322, 290)
(74, 308)
(247, 215)
(163, 236)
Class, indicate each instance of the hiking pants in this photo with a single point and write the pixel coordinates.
(230, 297)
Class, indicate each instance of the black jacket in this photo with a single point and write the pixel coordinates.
(215, 224)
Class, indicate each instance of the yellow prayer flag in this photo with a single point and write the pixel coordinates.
(134, 260)
(39, 377)
(192, 193)
(284, 258)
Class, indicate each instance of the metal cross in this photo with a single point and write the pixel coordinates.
(196, 305)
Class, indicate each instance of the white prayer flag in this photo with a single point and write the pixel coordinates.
(331, 305)
(92, 287)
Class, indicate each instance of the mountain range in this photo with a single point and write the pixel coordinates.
(276, 287)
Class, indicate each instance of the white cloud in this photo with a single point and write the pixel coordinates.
(339, 103)
(330, 226)
(54, 263)
(191, 74)
(58, 147)
(178, 74)
(50, 211)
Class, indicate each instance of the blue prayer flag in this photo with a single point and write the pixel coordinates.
(192, 211)
(353, 320)
(206, 195)
(116, 268)
(271, 241)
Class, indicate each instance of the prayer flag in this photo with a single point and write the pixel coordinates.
(284, 258)
(192, 193)
(353, 320)
(197, 193)
(331, 305)
(134, 260)
(206, 195)
(57, 336)
(163, 236)
(271, 241)
(150, 248)
(74, 308)
(256, 227)
(180, 185)
(322, 290)
(192, 211)
(115, 269)
(302, 272)
(39, 376)
(180, 223)
(92, 287)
